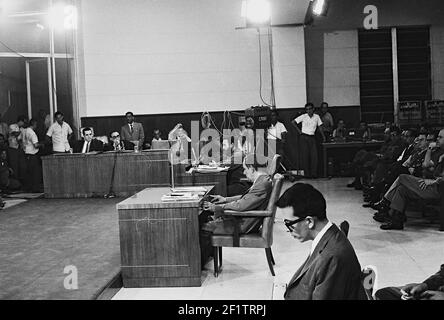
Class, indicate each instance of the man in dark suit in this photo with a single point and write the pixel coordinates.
(88, 143)
(116, 144)
(431, 289)
(332, 270)
(132, 131)
(255, 198)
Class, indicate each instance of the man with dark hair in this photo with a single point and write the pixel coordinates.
(332, 270)
(59, 133)
(133, 131)
(88, 143)
(327, 120)
(431, 289)
(34, 171)
(310, 122)
(255, 198)
(116, 144)
(277, 133)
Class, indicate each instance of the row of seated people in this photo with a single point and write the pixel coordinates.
(409, 166)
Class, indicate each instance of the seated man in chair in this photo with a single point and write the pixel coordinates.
(256, 198)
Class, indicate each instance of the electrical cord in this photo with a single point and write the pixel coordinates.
(260, 67)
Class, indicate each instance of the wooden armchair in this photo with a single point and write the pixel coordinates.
(262, 239)
(273, 165)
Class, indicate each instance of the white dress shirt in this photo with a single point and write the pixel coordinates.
(309, 124)
(319, 236)
(29, 141)
(86, 146)
(59, 135)
(275, 131)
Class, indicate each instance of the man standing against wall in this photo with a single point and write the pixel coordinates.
(60, 132)
(31, 145)
(132, 131)
(309, 154)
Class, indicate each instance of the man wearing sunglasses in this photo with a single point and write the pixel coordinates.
(332, 270)
(116, 144)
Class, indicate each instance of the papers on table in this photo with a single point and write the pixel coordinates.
(191, 193)
(178, 196)
(189, 189)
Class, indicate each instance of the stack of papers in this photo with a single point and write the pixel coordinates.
(204, 168)
(189, 189)
(176, 196)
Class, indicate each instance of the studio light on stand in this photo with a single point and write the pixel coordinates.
(256, 12)
(320, 7)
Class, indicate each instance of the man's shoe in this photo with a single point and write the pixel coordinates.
(381, 217)
(351, 185)
(368, 205)
(392, 226)
(381, 205)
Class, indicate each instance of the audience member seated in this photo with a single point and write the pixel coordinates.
(340, 133)
(7, 181)
(412, 165)
(213, 220)
(88, 143)
(430, 289)
(408, 187)
(365, 162)
(363, 133)
(332, 270)
(116, 144)
(157, 135)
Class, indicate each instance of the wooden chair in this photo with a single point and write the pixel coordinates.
(262, 239)
(273, 165)
(368, 274)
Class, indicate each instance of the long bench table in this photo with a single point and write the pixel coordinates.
(89, 175)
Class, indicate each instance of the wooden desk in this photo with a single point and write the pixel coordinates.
(89, 175)
(218, 179)
(159, 241)
(370, 145)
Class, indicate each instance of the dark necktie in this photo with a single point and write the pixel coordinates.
(131, 128)
(87, 147)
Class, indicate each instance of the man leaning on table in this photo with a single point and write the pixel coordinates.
(255, 198)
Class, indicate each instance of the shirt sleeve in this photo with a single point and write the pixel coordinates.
(69, 129)
(282, 128)
(34, 138)
(319, 121)
(50, 131)
(299, 119)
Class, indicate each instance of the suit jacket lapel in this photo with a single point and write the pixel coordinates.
(316, 252)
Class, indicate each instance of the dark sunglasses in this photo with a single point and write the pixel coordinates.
(290, 223)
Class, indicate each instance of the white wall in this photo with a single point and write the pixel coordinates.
(171, 56)
(437, 52)
(341, 68)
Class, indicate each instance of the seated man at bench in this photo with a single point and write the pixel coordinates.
(408, 187)
(256, 198)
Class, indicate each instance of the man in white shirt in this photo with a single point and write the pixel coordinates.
(60, 132)
(332, 270)
(310, 122)
(31, 145)
(277, 132)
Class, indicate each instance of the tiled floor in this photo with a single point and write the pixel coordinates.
(399, 256)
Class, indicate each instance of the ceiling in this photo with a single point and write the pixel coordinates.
(285, 12)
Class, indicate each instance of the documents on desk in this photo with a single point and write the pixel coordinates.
(207, 169)
(184, 194)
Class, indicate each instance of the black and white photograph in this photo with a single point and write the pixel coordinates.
(220, 156)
